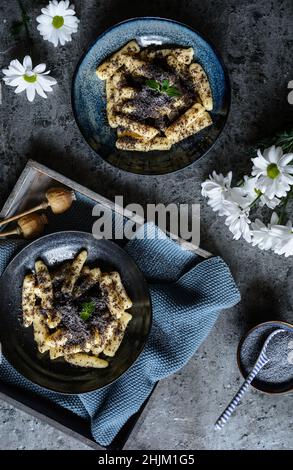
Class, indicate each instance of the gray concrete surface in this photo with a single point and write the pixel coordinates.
(255, 40)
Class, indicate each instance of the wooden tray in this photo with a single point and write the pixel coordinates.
(32, 183)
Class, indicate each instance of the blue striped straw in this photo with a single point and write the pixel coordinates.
(262, 360)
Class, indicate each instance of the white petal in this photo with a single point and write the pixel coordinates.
(71, 21)
(16, 81)
(46, 11)
(51, 36)
(260, 162)
(62, 36)
(45, 84)
(11, 72)
(271, 203)
(45, 28)
(8, 80)
(62, 8)
(8, 72)
(69, 12)
(44, 19)
(246, 233)
(276, 154)
(15, 64)
(66, 33)
(27, 63)
(40, 90)
(30, 92)
(48, 79)
(39, 68)
(54, 38)
(288, 169)
(288, 179)
(257, 224)
(69, 30)
(52, 9)
(274, 218)
(21, 87)
(287, 158)
(270, 154)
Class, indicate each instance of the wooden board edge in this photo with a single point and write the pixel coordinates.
(44, 418)
(107, 203)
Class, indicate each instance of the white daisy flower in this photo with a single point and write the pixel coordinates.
(239, 195)
(284, 235)
(26, 78)
(252, 193)
(238, 220)
(262, 235)
(216, 189)
(58, 22)
(278, 238)
(273, 171)
(270, 203)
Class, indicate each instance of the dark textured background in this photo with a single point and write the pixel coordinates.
(255, 40)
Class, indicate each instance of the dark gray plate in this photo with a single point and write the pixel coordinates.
(18, 345)
(89, 100)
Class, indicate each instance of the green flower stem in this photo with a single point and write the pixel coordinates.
(253, 203)
(24, 22)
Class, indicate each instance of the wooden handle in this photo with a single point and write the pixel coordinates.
(15, 231)
(43, 205)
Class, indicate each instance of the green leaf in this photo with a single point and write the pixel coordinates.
(172, 91)
(280, 139)
(165, 85)
(87, 310)
(153, 84)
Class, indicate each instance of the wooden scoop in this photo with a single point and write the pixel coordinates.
(59, 199)
(28, 226)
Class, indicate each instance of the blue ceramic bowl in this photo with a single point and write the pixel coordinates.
(89, 101)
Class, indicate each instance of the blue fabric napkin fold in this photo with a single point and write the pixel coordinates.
(187, 296)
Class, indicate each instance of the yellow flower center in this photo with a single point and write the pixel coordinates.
(273, 171)
(30, 78)
(58, 21)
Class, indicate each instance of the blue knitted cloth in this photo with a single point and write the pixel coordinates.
(187, 297)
